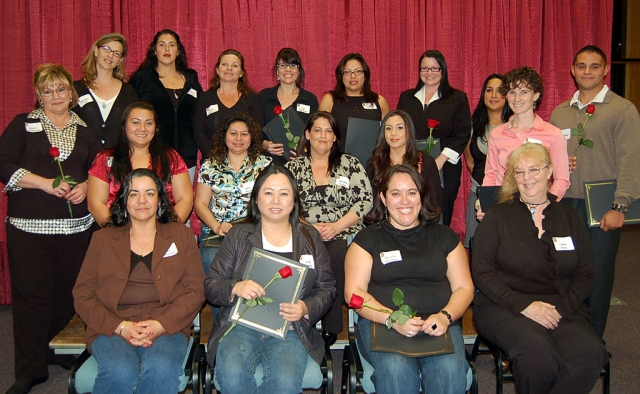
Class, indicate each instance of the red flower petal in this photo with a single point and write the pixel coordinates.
(285, 271)
(356, 302)
(277, 110)
(54, 152)
(591, 109)
(432, 123)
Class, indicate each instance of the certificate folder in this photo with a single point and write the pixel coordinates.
(278, 134)
(361, 138)
(261, 267)
(421, 345)
(488, 196)
(434, 152)
(599, 197)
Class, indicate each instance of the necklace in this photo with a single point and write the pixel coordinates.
(104, 102)
(277, 243)
(533, 206)
(145, 245)
(175, 93)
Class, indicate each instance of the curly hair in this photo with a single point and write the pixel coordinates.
(120, 215)
(523, 77)
(537, 152)
(339, 92)
(151, 60)
(480, 117)
(219, 148)
(243, 81)
(88, 65)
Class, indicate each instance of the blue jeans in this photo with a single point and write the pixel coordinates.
(123, 368)
(283, 362)
(207, 255)
(394, 373)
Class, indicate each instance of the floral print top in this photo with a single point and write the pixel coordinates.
(231, 190)
(348, 190)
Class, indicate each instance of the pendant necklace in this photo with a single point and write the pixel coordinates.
(532, 207)
(145, 245)
(175, 93)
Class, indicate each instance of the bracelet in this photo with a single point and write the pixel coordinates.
(124, 323)
(447, 315)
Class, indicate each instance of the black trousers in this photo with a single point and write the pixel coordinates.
(332, 321)
(43, 269)
(451, 174)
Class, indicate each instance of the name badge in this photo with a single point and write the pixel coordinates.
(303, 108)
(342, 181)
(307, 260)
(33, 127)
(247, 187)
(212, 109)
(566, 133)
(192, 92)
(563, 243)
(390, 257)
(82, 100)
(530, 140)
(369, 106)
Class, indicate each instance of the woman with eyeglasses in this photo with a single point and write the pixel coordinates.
(352, 97)
(165, 80)
(48, 224)
(229, 94)
(287, 93)
(433, 98)
(523, 88)
(533, 267)
(103, 93)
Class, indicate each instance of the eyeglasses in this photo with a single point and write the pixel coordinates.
(292, 66)
(109, 50)
(432, 69)
(530, 172)
(358, 72)
(60, 90)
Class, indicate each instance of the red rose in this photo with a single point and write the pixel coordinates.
(356, 302)
(285, 271)
(277, 110)
(54, 152)
(591, 109)
(432, 123)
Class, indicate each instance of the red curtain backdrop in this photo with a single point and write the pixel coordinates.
(477, 37)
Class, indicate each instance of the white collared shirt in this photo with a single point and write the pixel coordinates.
(598, 99)
(420, 96)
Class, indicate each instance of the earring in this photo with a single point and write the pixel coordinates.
(535, 106)
(160, 212)
(126, 214)
(277, 77)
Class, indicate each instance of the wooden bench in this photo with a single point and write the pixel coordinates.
(71, 339)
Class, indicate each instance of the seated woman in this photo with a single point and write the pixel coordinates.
(139, 146)
(533, 277)
(430, 268)
(139, 288)
(274, 223)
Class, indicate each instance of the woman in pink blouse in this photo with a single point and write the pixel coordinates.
(139, 146)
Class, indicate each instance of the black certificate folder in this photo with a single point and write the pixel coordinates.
(361, 138)
(261, 267)
(277, 133)
(599, 197)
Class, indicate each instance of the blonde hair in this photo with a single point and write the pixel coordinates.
(88, 65)
(536, 152)
(48, 74)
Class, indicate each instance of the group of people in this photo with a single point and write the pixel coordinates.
(101, 152)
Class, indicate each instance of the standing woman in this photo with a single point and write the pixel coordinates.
(103, 93)
(165, 80)
(287, 93)
(336, 195)
(492, 111)
(352, 96)
(229, 94)
(433, 98)
(47, 227)
(397, 145)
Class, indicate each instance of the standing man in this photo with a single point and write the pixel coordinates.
(614, 128)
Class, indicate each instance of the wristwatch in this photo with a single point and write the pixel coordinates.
(620, 208)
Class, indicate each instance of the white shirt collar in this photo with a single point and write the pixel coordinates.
(598, 99)
(420, 96)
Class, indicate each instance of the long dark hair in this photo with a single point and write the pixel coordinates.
(290, 56)
(304, 145)
(119, 213)
(444, 89)
(339, 92)
(380, 160)
(481, 114)
(151, 60)
(121, 166)
(219, 148)
(379, 211)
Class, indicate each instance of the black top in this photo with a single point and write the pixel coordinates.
(305, 104)
(353, 107)
(479, 158)
(211, 114)
(176, 125)
(108, 129)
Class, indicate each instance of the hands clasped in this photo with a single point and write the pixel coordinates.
(434, 325)
(142, 333)
(543, 314)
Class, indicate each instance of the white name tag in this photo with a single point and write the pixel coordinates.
(307, 260)
(303, 108)
(566, 133)
(33, 127)
(369, 106)
(342, 181)
(390, 257)
(563, 243)
(82, 100)
(192, 92)
(212, 109)
(530, 140)
(247, 187)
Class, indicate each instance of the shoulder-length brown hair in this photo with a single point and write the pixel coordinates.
(339, 92)
(243, 81)
(88, 65)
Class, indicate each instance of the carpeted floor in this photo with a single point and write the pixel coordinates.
(622, 336)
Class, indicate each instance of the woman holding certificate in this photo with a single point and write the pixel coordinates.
(274, 223)
(406, 249)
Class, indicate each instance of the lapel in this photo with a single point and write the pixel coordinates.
(122, 247)
(162, 243)
(538, 247)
